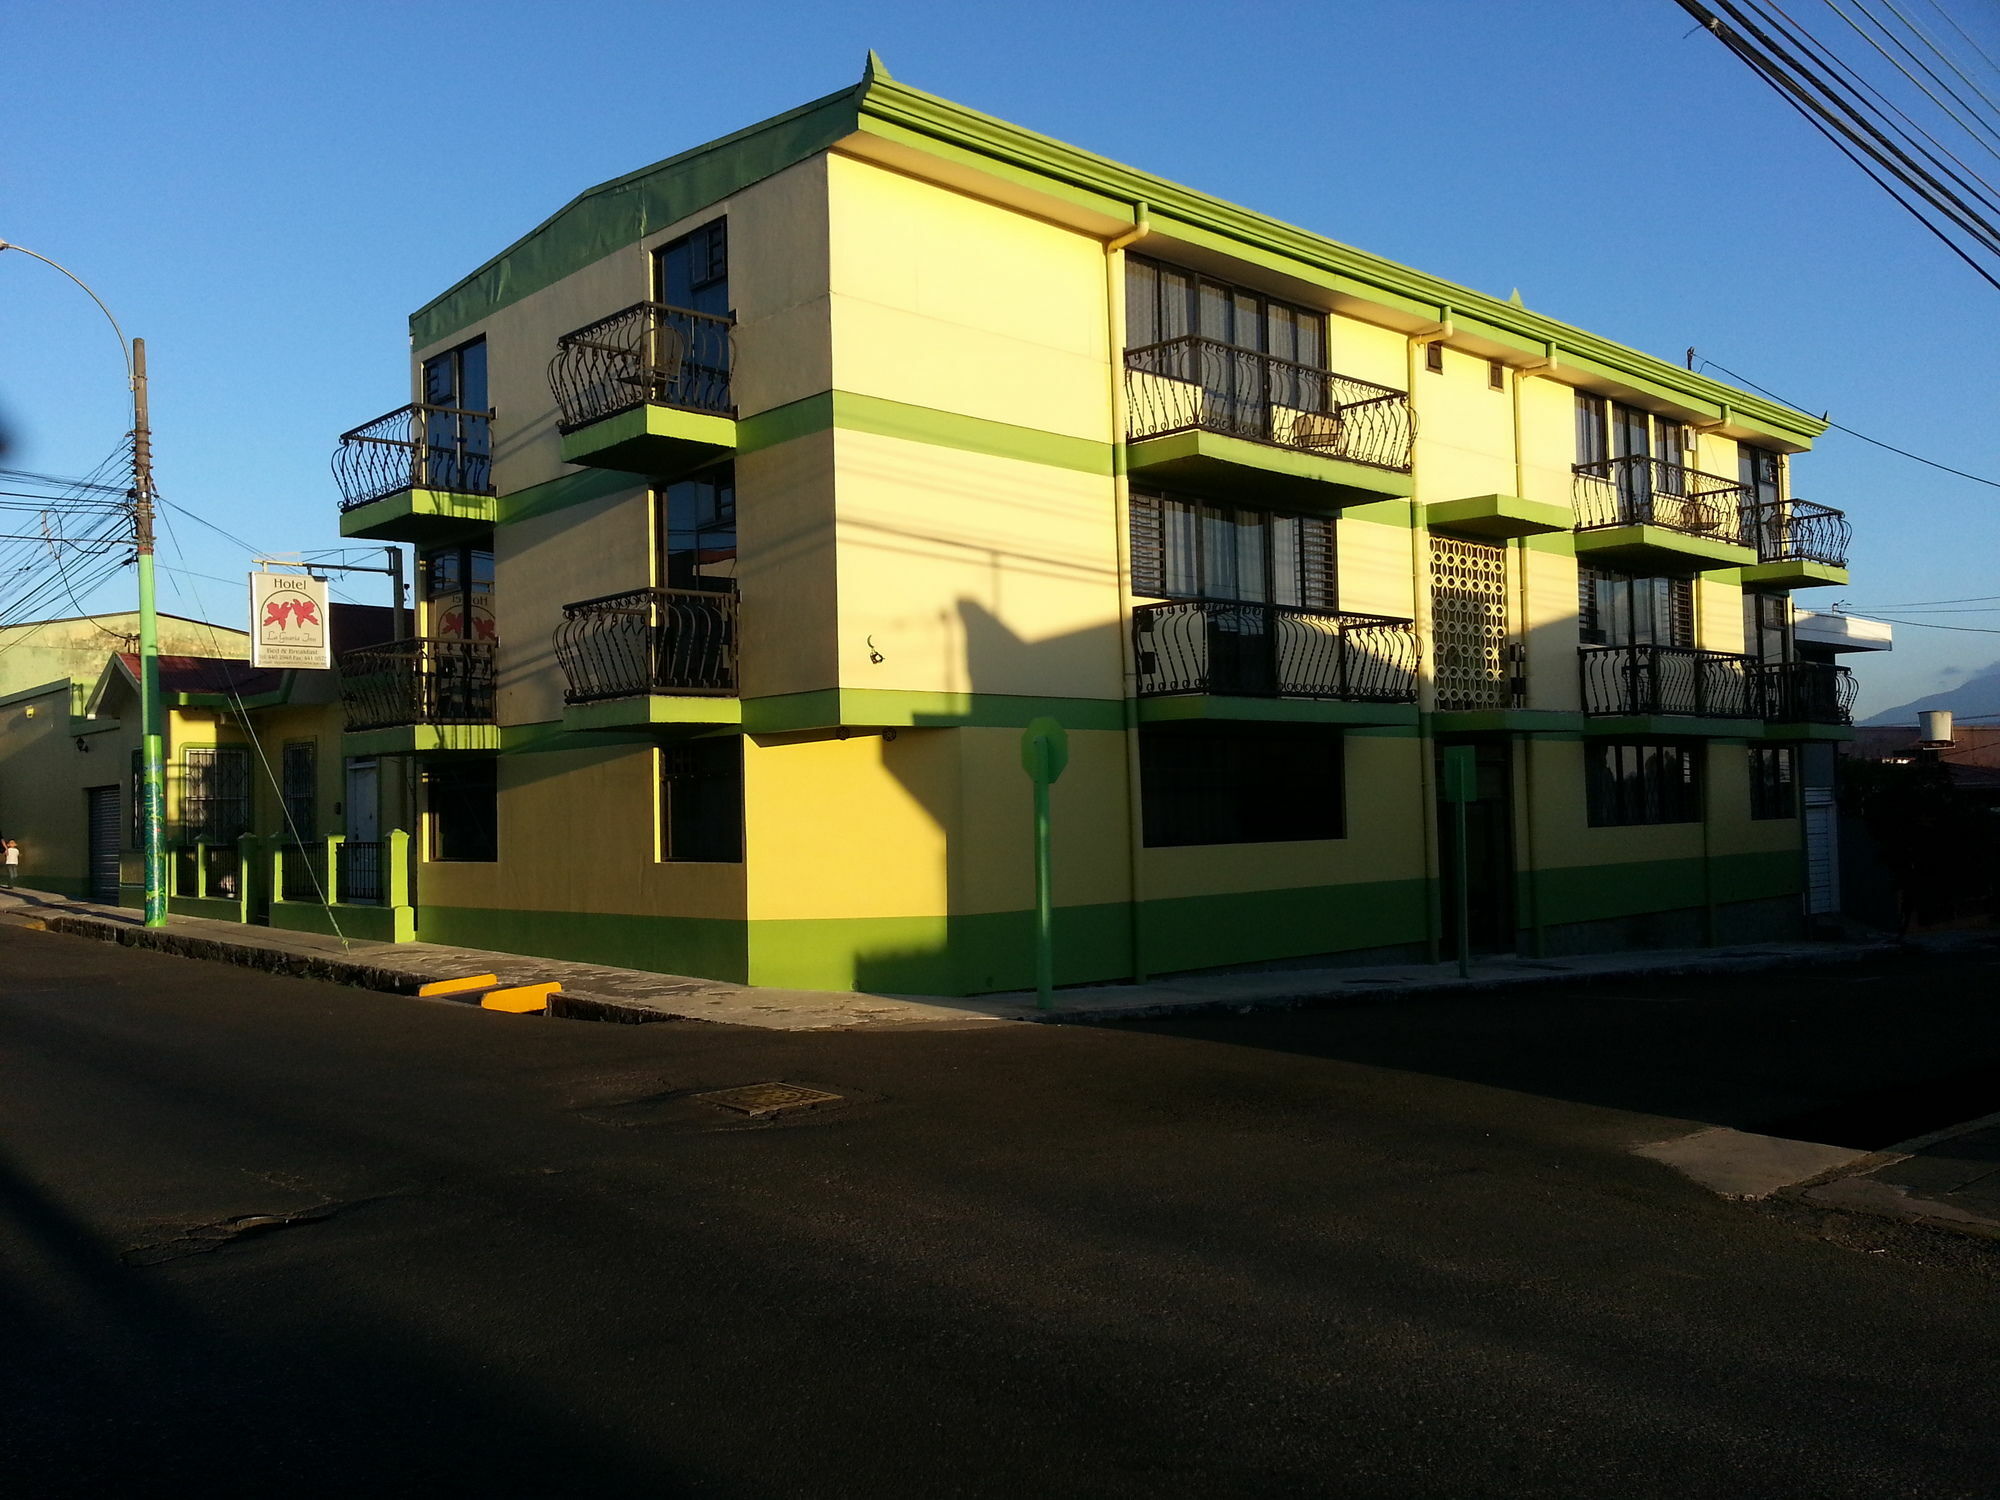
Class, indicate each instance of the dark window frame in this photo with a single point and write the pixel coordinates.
(1162, 570)
(1434, 357)
(691, 271)
(300, 803)
(1630, 784)
(1164, 301)
(1616, 608)
(1496, 375)
(685, 567)
(699, 784)
(462, 810)
(454, 576)
(1774, 782)
(1222, 782)
(215, 793)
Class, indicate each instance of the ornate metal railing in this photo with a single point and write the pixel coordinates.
(649, 354)
(1667, 680)
(1804, 692)
(302, 873)
(416, 447)
(359, 872)
(429, 680)
(1800, 531)
(1646, 491)
(1186, 383)
(1273, 651)
(648, 641)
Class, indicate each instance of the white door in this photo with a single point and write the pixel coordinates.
(1822, 853)
(363, 810)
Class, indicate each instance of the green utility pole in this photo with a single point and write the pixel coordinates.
(152, 743)
(1044, 754)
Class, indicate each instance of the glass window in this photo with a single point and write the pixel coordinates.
(1762, 471)
(1767, 627)
(1187, 549)
(462, 798)
(215, 793)
(695, 526)
(692, 272)
(300, 787)
(701, 800)
(1773, 792)
(1164, 303)
(1629, 784)
(457, 583)
(458, 439)
(1229, 783)
(1593, 445)
(1623, 609)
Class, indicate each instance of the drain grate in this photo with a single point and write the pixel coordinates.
(767, 1098)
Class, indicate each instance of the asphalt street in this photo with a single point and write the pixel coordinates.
(272, 1236)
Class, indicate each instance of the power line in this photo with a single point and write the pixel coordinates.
(1709, 364)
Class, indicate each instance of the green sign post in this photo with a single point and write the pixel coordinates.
(1044, 754)
(1461, 787)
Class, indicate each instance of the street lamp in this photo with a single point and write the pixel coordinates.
(152, 746)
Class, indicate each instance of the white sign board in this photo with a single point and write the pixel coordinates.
(288, 621)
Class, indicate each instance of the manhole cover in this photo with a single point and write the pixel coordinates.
(768, 1098)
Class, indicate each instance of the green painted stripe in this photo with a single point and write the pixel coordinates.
(564, 491)
(893, 709)
(1587, 893)
(920, 424)
(706, 947)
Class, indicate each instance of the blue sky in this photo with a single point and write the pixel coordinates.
(265, 192)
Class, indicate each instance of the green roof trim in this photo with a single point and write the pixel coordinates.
(620, 212)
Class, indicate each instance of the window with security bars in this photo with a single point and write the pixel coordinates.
(1240, 783)
(215, 794)
(1625, 609)
(701, 801)
(1773, 785)
(1628, 784)
(1473, 663)
(299, 784)
(1191, 549)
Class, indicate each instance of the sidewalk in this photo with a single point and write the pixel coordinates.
(598, 992)
(1952, 1177)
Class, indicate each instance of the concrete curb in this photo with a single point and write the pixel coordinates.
(244, 955)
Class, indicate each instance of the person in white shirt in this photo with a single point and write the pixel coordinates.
(11, 862)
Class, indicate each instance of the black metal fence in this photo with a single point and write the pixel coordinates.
(429, 680)
(647, 354)
(1800, 531)
(1647, 491)
(1805, 692)
(1667, 680)
(359, 873)
(1273, 651)
(1186, 383)
(648, 641)
(302, 873)
(415, 447)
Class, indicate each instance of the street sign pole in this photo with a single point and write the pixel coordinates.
(1044, 754)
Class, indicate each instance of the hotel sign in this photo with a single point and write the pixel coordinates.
(288, 621)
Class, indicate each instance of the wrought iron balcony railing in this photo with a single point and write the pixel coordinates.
(416, 447)
(1804, 692)
(1187, 383)
(1800, 531)
(1647, 491)
(649, 354)
(427, 680)
(1667, 680)
(648, 641)
(1273, 651)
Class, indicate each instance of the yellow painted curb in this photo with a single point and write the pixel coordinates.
(453, 986)
(520, 999)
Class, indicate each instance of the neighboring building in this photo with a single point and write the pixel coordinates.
(762, 496)
(254, 768)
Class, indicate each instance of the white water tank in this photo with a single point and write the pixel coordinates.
(1934, 728)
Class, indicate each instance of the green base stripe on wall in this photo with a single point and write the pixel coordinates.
(705, 947)
(1588, 893)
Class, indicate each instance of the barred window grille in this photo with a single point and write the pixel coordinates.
(1622, 609)
(301, 790)
(1192, 549)
(215, 794)
(1471, 660)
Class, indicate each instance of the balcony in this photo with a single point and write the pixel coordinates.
(1639, 684)
(1799, 545)
(646, 390)
(1203, 416)
(1204, 658)
(649, 656)
(1805, 693)
(418, 696)
(421, 474)
(1646, 514)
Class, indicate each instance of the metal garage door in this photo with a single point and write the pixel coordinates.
(105, 828)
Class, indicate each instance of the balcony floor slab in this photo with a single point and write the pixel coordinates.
(421, 516)
(422, 739)
(1498, 516)
(1670, 727)
(1649, 546)
(1505, 721)
(1795, 573)
(1181, 707)
(645, 711)
(661, 441)
(1217, 464)
(1795, 731)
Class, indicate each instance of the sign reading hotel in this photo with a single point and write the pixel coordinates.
(288, 619)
